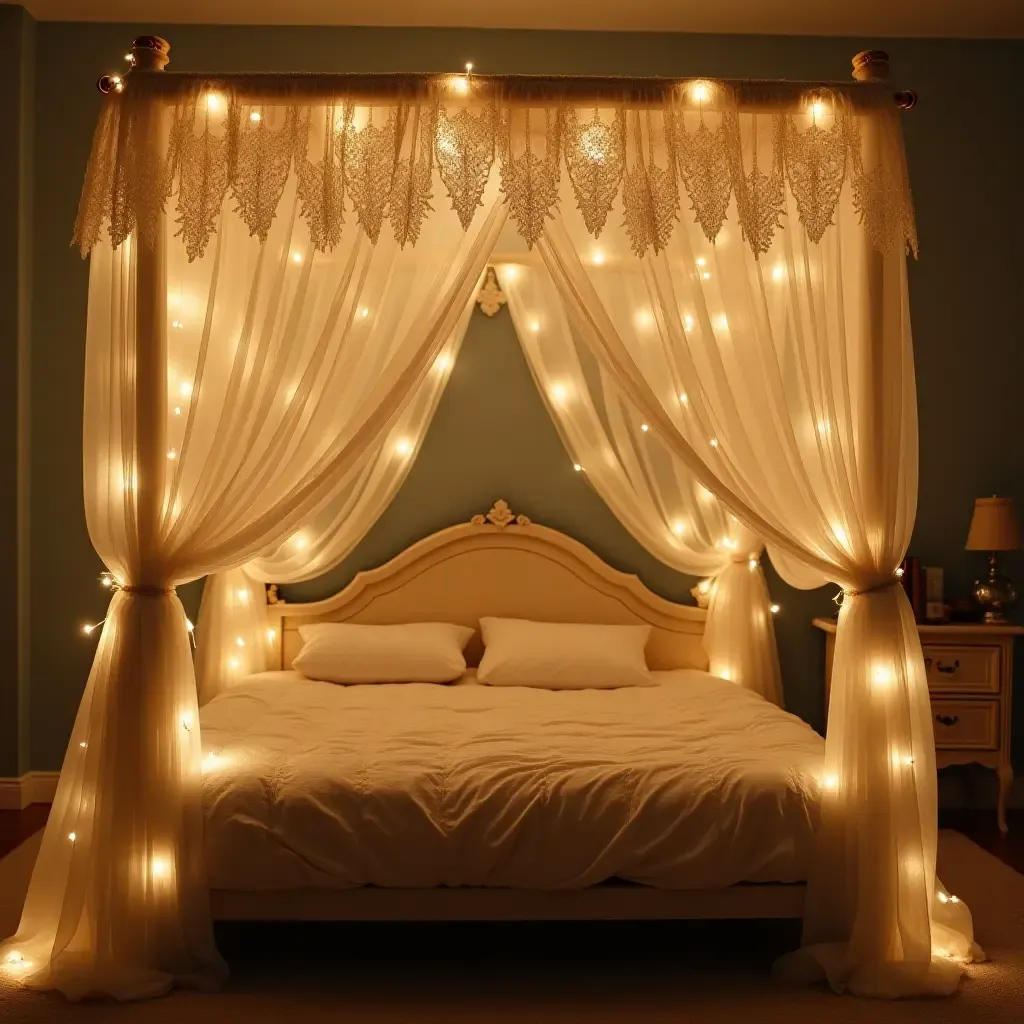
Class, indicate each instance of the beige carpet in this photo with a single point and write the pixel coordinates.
(685, 972)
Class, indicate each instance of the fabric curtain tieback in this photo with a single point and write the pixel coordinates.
(147, 591)
(884, 585)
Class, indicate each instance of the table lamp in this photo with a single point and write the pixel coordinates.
(994, 528)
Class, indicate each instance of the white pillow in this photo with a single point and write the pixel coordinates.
(415, 652)
(559, 656)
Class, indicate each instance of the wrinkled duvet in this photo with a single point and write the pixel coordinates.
(693, 783)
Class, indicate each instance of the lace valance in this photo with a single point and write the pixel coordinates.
(386, 150)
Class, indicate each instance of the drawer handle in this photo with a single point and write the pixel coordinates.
(947, 719)
(946, 670)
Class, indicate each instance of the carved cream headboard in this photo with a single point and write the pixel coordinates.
(500, 564)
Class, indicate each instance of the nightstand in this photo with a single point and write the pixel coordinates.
(970, 676)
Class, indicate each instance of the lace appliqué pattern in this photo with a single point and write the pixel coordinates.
(595, 157)
(197, 141)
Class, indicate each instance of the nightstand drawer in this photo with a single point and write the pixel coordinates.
(962, 724)
(961, 669)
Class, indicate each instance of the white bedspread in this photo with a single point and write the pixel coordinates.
(693, 783)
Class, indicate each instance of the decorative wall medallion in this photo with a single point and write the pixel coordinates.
(500, 515)
(490, 296)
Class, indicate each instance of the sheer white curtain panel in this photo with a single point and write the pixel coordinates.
(795, 358)
(225, 399)
(233, 638)
(651, 492)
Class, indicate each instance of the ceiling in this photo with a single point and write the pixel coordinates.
(980, 19)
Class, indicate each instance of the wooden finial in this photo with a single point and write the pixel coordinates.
(150, 53)
(871, 66)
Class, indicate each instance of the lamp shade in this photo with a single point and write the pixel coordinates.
(994, 526)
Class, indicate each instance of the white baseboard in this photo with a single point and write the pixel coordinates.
(31, 788)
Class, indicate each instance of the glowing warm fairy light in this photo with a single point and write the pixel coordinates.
(364, 313)
(841, 535)
(597, 257)
(185, 388)
(679, 527)
(240, 641)
(234, 663)
(830, 782)
(899, 573)
(728, 543)
(688, 322)
(700, 92)
(774, 609)
(214, 102)
(714, 442)
(704, 586)
(725, 674)
(703, 493)
(88, 628)
(83, 744)
(901, 760)
(160, 867)
(644, 427)
(172, 454)
(702, 261)
(186, 721)
(778, 272)
(706, 275)
(189, 625)
(683, 400)
(212, 761)
(271, 635)
(721, 323)
(954, 899)
(576, 466)
(296, 257)
(511, 273)
(242, 595)
(255, 116)
(72, 837)
(824, 428)
(943, 898)
(299, 541)
(534, 326)
(177, 410)
(559, 393)
(752, 564)
(817, 109)
(469, 66)
(403, 446)
(460, 84)
(644, 318)
(442, 363)
(177, 325)
(882, 677)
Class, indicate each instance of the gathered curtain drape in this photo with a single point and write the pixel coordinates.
(800, 414)
(740, 244)
(225, 397)
(650, 491)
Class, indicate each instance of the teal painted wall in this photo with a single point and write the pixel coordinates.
(17, 88)
(491, 436)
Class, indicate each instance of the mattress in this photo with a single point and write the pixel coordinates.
(693, 783)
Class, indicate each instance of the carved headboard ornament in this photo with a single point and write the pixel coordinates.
(500, 515)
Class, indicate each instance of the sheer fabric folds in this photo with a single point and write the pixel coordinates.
(232, 637)
(277, 264)
(800, 415)
(650, 491)
(226, 399)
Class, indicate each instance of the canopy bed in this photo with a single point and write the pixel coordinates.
(520, 795)
(709, 282)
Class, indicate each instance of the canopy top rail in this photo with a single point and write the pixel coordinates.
(151, 53)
